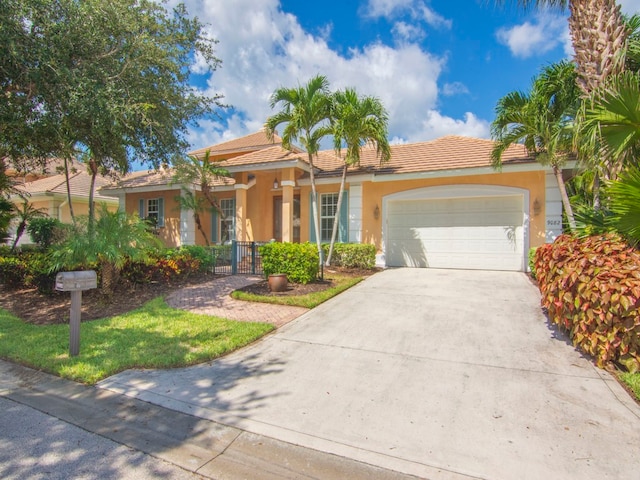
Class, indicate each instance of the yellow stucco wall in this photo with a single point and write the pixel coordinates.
(170, 233)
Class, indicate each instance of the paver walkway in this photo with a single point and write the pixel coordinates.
(213, 298)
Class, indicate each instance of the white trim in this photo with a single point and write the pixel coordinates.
(255, 167)
(462, 191)
(288, 183)
(355, 213)
(187, 224)
(147, 189)
(552, 208)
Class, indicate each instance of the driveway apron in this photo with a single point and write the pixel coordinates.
(441, 374)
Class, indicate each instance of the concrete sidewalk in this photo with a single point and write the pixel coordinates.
(441, 374)
(177, 445)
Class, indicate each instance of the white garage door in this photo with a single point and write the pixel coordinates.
(469, 233)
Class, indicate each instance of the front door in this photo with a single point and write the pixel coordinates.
(277, 218)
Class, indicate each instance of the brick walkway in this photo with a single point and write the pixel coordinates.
(212, 298)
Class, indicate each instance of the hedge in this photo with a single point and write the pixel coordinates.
(352, 255)
(299, 261)
(591, 288)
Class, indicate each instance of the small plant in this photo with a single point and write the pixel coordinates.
(532, 261)
(299, 261)
(46, 231)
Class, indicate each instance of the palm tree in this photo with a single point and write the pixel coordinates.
(541, 120)
(305, 111)
(25, 213)
(356, 121)
(598, 34)
(199, 173)
(189, 201)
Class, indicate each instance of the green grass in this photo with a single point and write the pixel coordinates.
(632, 380)
(310, 300)
(153, 336)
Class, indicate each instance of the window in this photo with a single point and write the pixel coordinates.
(227, 220)
(328, 206)
(154, 210)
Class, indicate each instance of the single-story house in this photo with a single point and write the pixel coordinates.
(435, 204)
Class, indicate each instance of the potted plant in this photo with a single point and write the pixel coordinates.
(278, 282)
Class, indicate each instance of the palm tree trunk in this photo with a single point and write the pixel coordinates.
(314, 208)
(66, 177)
(196, 218)
(565, 198)
(336, 220)
(109, 275)
(93, 167)
(597, 204)
(19, 233)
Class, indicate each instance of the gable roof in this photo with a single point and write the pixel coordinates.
(253, 141)
(79, 184)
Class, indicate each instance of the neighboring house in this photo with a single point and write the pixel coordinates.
(49, 193)
(435, 204)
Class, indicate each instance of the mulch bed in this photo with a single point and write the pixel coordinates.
(36, 308)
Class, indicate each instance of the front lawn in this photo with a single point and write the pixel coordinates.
(153, 336)
(632, 380)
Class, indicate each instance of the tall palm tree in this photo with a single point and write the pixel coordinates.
(356, 121)
(200, 173)
(305, 111)
(189, 201)
(598, 34)
(541, 120)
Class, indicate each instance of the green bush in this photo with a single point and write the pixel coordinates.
(203, 255)
(39, 272)
(46, 231)
(352, 255)
(299, 261)
(532, 261)
(591, 288)
(13, 272)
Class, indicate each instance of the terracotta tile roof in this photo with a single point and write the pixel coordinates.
(80, 184)
(271, 154)
(153, 178)
(253, 141)
(445, 153)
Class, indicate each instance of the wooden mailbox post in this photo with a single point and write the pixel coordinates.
(75, 282)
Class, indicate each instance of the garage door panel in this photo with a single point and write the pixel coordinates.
(474, 233)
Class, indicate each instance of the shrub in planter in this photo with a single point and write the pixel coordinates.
(352, 255)
(591, 288)
(299, 261)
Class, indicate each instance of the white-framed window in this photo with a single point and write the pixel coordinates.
(227, 220)
(152, 209)
(328, 206)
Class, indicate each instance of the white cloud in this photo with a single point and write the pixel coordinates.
(407, 32)
(537, 37)
(417, 10)
(263, 48)
(454, 88)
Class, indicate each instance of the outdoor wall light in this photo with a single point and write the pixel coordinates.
(537, 208)
(275, 183)
(376, 212)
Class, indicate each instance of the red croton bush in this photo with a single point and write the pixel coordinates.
(591, 288)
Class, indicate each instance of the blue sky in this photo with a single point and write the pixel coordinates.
(438, 66)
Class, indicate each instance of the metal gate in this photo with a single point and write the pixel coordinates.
(237, 258)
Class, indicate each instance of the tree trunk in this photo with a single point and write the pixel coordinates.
(66, 177)
(93, 168)
(336, 220)
(598, 35)
(597, 203)
(565, 198)
(19, 233)
(196, 218)
(314, 208)
(109, 275)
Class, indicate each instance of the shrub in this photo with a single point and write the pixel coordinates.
(39, 272)
(352, 255)
(46, 231)
(13, 272)
(591, 288)
(203, 255)
(532, 261)
(298, 260)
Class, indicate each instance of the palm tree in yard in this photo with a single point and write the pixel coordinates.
(25, 213)
(356, 121)
(541, 120)
(190, 201)
(305, 111)
(200, 173)
(598, 34)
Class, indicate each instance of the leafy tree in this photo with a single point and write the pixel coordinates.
(189, 201)
(305, 111)
(356, 121)
(200, 173)
(105, 81)
(25, 213)
(541, 120)
(114, 238)
(46, 231)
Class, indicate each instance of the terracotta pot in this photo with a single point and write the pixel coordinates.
(278, 282)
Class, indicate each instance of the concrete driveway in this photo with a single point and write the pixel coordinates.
(441, 374)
